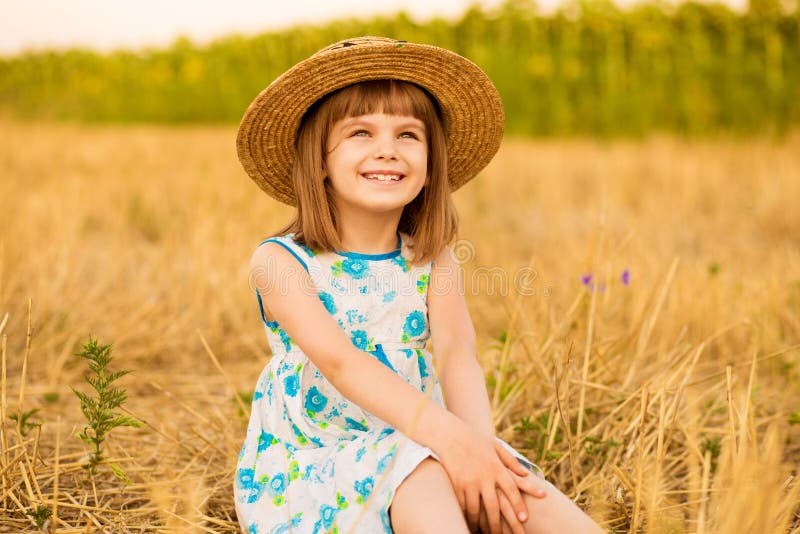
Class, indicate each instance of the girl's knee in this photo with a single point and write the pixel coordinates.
(427, 471)
(425, 502)
(555, 512)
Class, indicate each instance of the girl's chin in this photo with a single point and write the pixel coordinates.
(376, 204)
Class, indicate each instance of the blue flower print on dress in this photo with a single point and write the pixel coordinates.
(384, 462)
(364, 488)
(354, 317)
(353, 267)
(315, 401)
(311, 474)
(352, 424)
(423, 367)
(301, 438)
(283, 528)
(327, 300)
(361, 341)
(277, 487)
(333, 412)
(245, 480)
(287, 341)
(265, 440)
(388, 431)
(356, 268)
(414, 325)
(326, 516)
(389, 296)
(291, 383)
(401, 261)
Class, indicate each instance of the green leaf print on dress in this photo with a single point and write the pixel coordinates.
(422, 283)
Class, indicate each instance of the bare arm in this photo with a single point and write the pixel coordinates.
(455, 345)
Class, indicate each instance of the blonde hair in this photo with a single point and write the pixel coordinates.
(430, 219)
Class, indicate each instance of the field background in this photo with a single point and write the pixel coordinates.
(666, 400)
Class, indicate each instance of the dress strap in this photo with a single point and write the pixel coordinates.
(302, 253)
(299, 251)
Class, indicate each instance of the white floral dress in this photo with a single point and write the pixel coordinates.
(313, 462)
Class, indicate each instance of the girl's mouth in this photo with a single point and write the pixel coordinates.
(383, 178)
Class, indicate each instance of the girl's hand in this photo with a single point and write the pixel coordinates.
(476, 464)
(524, 477)
(526, 483)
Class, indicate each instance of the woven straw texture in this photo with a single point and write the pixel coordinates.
(471, 106)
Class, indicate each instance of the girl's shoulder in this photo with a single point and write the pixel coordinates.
(272, 249)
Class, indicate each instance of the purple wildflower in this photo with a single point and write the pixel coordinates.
(626, 277)
(586, 279)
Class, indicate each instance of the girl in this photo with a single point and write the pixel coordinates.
(349, 430)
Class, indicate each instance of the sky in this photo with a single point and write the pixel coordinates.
(109, 24)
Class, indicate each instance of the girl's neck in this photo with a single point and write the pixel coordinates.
(369, 236)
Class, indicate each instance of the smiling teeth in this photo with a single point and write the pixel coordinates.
(383, 177)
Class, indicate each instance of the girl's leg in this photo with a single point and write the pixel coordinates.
(426, 503)
(555, 513)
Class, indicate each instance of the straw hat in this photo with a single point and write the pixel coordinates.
(471, 106)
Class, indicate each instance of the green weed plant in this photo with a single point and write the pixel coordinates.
(99, 409)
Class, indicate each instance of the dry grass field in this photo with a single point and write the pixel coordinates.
(661, 393)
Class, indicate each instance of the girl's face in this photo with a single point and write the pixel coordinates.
(377, 162)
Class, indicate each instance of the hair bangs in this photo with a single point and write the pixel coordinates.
(392, 97)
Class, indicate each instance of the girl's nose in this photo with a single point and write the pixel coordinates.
(385, 149)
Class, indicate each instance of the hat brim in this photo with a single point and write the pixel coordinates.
(470, 104)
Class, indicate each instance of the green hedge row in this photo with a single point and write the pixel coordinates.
(589, 68)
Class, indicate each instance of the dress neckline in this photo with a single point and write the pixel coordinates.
(382, 256)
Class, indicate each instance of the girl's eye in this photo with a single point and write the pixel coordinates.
(358, 133)
(409, 135)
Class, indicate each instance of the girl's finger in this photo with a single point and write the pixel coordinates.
(509, 486)
(461, 501)
(509, 460)
(473, 509)
(484, 522)
(492, 507)
(508, 511)
(530, 485)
